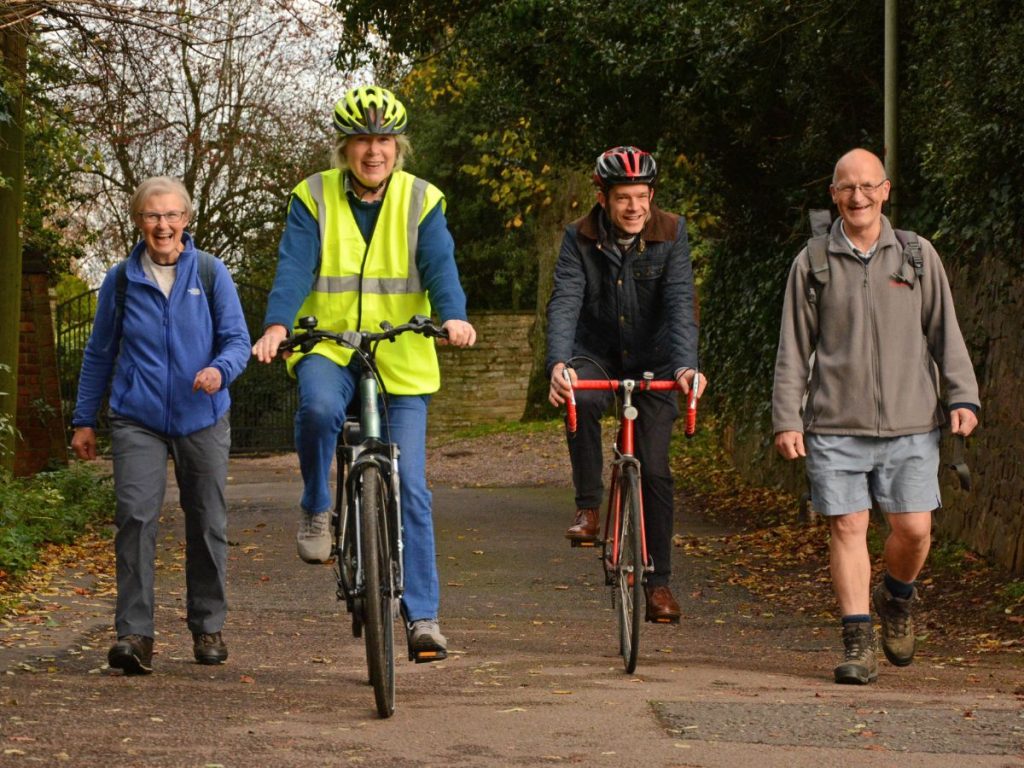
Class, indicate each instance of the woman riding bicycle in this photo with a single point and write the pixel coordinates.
(364, 243)
(623, 303)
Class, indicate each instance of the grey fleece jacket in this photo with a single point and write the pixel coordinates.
(879, 346)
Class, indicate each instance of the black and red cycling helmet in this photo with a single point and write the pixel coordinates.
(625, 165)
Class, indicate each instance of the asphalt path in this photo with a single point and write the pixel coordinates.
(533, 677)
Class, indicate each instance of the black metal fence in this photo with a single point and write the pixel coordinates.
(263, 398)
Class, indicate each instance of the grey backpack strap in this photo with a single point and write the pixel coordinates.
(817, 254)
(959, 463)
(911, 250)
(913, 263)
(820, 220)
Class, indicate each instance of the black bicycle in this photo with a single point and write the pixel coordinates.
(367, 517)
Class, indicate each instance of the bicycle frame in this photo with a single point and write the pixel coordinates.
(358, 449)
(368, 546)
(359, 446)
(624, 454)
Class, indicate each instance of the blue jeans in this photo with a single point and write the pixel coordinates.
(325, 391)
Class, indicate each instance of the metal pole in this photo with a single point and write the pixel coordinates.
(890, 119)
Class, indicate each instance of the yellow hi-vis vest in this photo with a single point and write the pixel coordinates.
(383, 272)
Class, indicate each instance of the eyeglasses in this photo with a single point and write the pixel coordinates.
(867, 189)
(152, 217)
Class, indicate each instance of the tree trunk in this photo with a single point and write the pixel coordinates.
(13, 41)
(572, 203)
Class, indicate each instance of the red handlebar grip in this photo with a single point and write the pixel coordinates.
(570, 403)
(691, 407)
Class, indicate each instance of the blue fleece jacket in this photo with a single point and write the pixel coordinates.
(164, 342)
(299, 260)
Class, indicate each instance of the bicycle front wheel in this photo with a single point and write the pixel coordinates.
(379, 598)
(630, 568)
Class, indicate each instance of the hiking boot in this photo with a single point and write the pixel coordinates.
(662, 607)
(898, 639)
(426, 643)
(859, 665)
(585, 527)
(314, 537)
(209, 648)
(133, 654)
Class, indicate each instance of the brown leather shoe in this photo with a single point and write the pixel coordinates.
(585, 528)
(133, 654)
(209, 648)
(662, 607)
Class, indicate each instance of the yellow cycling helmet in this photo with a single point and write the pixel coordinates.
(370, 109)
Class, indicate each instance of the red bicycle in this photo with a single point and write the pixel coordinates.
(624, 544)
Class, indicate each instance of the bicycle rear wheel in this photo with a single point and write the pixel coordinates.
(630, 568)
(379, 599)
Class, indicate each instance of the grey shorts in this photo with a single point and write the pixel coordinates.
(846, 472)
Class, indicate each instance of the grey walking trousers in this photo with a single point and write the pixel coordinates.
(140, 480)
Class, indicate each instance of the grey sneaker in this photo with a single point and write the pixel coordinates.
(426, 643)
(314, 537)
(898, 641)
(859, 665)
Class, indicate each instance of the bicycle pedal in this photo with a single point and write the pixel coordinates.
(663, 621)
(587, 543)
(424, 657)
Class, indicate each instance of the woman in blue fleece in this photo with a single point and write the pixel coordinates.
(169, 337)
(366, 242)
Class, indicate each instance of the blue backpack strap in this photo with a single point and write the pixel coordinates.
(120, 289)
(207, 270)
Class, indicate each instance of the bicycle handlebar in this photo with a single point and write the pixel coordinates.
(310, 336)
(639, 385)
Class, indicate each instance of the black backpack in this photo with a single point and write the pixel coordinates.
(206, 270)
(817, 253)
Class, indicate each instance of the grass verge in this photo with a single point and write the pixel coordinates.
(48, 508)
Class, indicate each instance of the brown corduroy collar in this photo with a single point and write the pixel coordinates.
(660, 227)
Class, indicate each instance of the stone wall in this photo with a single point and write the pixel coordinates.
(990, 518)
(485, 383)
(42, 443)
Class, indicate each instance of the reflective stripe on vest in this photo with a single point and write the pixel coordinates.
(411, 284)
(381, 275)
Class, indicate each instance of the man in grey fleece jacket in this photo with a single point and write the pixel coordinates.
(856, 392)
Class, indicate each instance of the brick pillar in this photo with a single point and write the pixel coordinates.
(43, 443)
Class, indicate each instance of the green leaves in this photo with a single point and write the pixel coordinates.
(52, 507)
